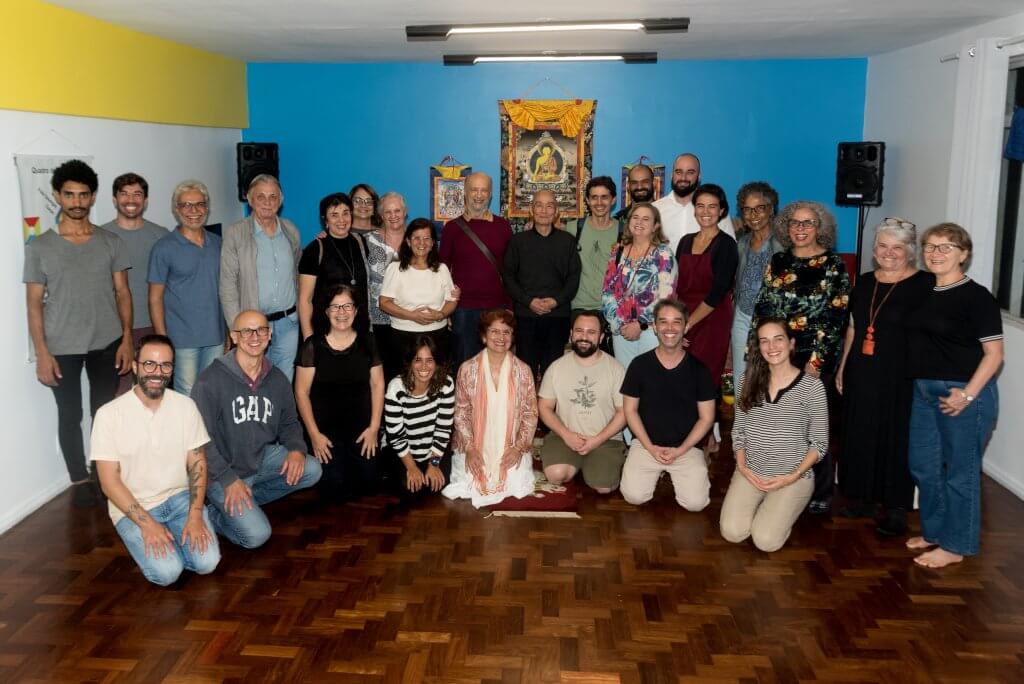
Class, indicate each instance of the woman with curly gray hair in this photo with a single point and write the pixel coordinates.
(807, 285)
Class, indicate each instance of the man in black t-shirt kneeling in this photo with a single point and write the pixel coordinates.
(669, 401)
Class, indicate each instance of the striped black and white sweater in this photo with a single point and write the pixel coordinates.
(776, 436)
(420, 426)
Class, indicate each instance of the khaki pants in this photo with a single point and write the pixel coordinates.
(689, 475)
(767, 517)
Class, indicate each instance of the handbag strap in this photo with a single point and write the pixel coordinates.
(464, 225)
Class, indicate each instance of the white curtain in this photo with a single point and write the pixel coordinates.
(975, 161)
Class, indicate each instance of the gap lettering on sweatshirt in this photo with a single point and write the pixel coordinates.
(246, 409)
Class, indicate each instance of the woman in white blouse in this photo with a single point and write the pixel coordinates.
(779, 433)
(418, 292)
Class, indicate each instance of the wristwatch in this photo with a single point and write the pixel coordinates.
(967, 397)
(643, 326)
(435, 461)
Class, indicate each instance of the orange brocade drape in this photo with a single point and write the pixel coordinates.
(569, 114)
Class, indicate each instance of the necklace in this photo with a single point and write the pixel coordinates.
(348, 264)
(867, 347)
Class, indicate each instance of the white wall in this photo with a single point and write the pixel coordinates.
(32, 469)
(909, 105)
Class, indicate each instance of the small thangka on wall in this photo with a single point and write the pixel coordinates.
(447, 191)
(545, 145)
(659, 181)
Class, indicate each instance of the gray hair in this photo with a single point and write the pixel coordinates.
(391, 194)
(902, 230)
(264, 178)
(187, 186)
(826, 236)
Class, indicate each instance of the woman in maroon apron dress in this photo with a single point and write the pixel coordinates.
(707, 270)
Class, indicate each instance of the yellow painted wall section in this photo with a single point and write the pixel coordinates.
(62, 62)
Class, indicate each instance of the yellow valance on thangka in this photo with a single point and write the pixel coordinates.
(569, 114)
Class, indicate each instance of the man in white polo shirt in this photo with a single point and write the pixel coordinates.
(676, 208)
(148, 448)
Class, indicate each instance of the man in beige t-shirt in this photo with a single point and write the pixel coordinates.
(579, 401)
(148, 448)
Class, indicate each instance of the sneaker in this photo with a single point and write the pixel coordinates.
(894, 524)
(819, 507)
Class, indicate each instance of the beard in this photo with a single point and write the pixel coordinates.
(641, 194)
(684, 189)
(584, 348)
(153, 392)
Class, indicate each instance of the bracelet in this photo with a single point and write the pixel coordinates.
(435, 461)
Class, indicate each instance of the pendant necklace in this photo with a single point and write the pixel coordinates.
(867, 347)
(346, 262)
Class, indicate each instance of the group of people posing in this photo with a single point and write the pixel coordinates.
(375, 354)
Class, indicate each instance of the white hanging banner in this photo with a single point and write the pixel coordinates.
(39, 211)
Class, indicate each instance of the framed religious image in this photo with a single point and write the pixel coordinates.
(545, 145)
(447, 190)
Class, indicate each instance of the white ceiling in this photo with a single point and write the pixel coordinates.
(367, 31)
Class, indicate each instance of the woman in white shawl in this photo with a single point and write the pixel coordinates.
(495, 419)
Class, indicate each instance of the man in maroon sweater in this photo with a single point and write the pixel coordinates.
(477, 275)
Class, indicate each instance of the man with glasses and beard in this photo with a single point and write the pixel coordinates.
(580, 402)
(257, 453)
(148, 446)
(676, 208)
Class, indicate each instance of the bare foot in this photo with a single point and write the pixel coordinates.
(919, 544)
(938, 558)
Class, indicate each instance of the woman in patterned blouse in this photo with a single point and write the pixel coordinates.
(641, 271)
(807, 286)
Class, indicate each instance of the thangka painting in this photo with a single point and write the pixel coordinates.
(545, 145)
(659, 181)
(447, 191)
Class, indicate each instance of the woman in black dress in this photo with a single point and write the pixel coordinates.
(873, 380)
(339, 391)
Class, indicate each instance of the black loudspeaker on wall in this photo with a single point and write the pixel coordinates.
(860, 167)
(253, 159)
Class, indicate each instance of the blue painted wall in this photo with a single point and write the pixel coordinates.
(385, 124)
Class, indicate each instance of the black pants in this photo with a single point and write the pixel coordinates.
(541, 340)
(396, 468)
(103, 379)
(350, 475)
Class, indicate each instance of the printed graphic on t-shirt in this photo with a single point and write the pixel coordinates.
(585, 397)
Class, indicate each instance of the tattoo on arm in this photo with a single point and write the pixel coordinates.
(196, 476)
(137, 513)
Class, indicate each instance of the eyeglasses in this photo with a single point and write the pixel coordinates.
(422, 239)
(499, 333)
(943, 248)
(898, 222)
(246, 333)
(335, 308)
(266, 198)
(809, 223)
(759, 209)
(189, 206)
(364, 201)
(164, 366)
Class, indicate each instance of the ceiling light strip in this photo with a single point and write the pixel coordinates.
(536, 28)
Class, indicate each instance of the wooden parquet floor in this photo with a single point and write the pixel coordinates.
(378, 592)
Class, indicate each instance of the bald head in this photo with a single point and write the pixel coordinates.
(685, 176)
(544, 210)
(478, 195)
(249, 319)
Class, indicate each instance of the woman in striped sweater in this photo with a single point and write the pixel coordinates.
(779, 433)
(418, 409)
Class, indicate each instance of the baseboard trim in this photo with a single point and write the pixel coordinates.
(1003, 478)
(31, 505)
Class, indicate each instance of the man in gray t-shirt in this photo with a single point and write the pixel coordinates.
(131, 199)
(79, 314)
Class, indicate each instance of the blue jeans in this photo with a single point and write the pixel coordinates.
(251, 528)
(945, 461)
(190, 362)
(466, 342)
(740, 334)
(284, 343)
(172, 514)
